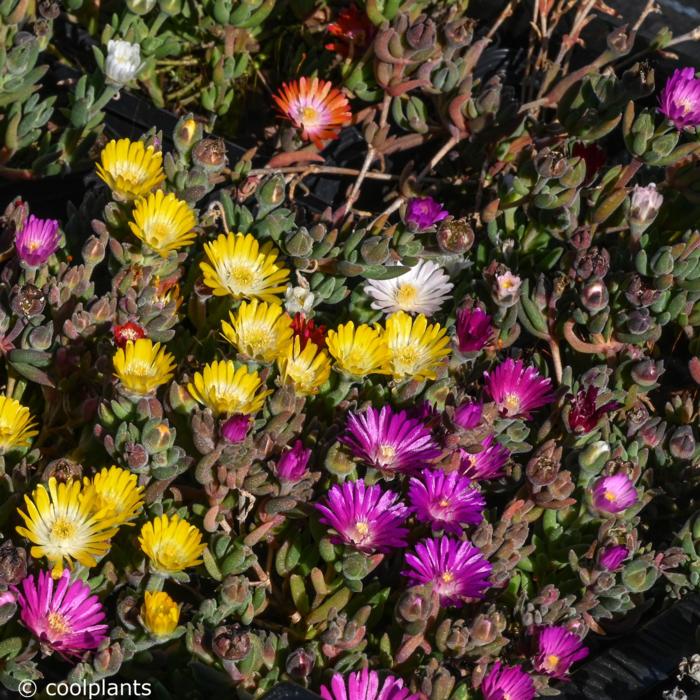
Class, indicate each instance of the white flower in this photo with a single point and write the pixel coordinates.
(298, 300)
(421, 290)
(646, 202)
(123, 61)
(506, 291)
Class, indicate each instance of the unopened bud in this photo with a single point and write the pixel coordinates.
(646, 202)
(455, 236)
(682, 443)
(210, 155)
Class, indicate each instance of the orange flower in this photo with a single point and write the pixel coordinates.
(315, 107)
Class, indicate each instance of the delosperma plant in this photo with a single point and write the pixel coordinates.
(430, 442)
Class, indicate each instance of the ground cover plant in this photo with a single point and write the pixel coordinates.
(435, 439)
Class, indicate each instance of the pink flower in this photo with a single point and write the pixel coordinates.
(292, 464)
(612, 557)
(235, 429)
(63, 616)
(37, 241)
(584, 415)
(486, 464)
(365, 517)
(446, 501)
(457, 569)
(366, 685)
(424, 212)
(557, 650)
(507, 683)
(613, 494)
(518, 390)
(473, 329)
(680, 99)
(468, 415)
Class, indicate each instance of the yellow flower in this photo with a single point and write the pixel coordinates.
(358, 351)
(62, 524)
(142, 366)
(258, 330)
(308, 369)
(172, 544)
(416, 349)
(159, 613)
(240, 267)
(114, 493)
(17, 428)
(163, 222)
(130, 169)
(225, 389)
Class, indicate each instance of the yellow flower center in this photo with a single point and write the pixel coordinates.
(551, 661)
(140, 368)
(309, 115)
(241, 277)
(33, 245)
(512, 403)
(406, 295)
(57, 623)
(386, 453)
(259, 340)
(685, 104)
(405, 360)
(609, 496)
(444, 503)
(63, 529)
(362, 528)
(447, 577)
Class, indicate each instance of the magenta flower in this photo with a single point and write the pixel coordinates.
(507, 683)
(584, 416)
(37, 241)
(293, 463)
(366, 685)
(613, 494)
(557, 650)
(63, 616)
(468, 415)
(391, 442)
(486, 464)
(446, 501)
(457, 569)
(473, 330)
(365, 517)
(518, 390)
(424, 212)
(612, 557)
(235, 429)
(680, 99)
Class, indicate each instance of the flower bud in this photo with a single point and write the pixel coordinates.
(29, 301)
(235, 429)
(123, 62)
(647, 372)
(652, 432)
(421, 35)
(157, 436)
(646, 202)
(300, 664)
(170, 7)
(41, 338)
(594, 262)
(140, 7)
(13, 564)
(505, 289)
(682, 443)
(639, 321)
(188, 131)
(455, 236)
(375, 250)
(299, 243)
(544, 465)
(210, 155)
(62, 470)
(594, 456)
(231, 642)
(594, 296)
(273, 191)
(292, 465)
